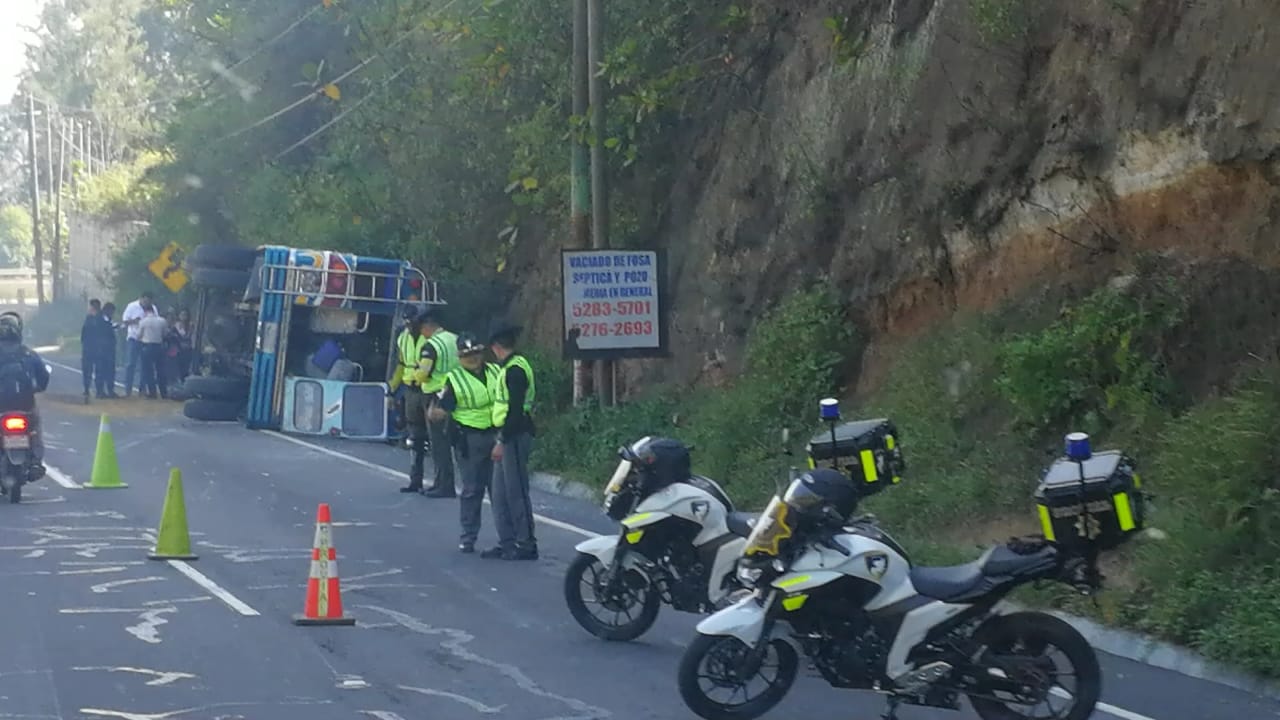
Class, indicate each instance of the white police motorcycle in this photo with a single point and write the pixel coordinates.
(845, 594)
(679, 543)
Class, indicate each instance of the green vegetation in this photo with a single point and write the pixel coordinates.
(123, 191)
(793, 356)
(15, 236)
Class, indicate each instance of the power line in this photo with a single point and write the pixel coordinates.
(312, 95)
(339, 117)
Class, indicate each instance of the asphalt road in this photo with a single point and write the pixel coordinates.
(92, 629)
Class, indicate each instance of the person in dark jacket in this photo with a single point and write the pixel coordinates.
(22, 375)
(514, 394)
(89, 347)
(97, 351)
(110, 347)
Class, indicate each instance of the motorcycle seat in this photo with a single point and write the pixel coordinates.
(740, 523)
(709, 487)
(958, 582)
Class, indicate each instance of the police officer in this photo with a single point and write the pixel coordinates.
(428, 353)
(467, 397)
(514, 392)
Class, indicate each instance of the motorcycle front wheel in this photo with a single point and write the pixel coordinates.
(1043, 654)
(627, 613)
(717, 670)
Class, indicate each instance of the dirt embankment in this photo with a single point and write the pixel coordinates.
(963, 158)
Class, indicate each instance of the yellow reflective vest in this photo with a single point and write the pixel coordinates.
(502, 396)
(410, 346)
(445, 344)
(475, 401)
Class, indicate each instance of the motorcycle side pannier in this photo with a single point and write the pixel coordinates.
(868, 450)
(1111, 491)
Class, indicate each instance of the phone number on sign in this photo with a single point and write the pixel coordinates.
(639, 327)
(609, 309)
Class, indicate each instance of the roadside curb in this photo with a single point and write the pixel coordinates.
(1166, 656)
(556, 485)
(1113, 641)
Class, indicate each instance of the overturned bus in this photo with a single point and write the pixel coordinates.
(298, 340)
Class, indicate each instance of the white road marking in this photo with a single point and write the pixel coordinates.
(106, 586)
(148, 629)
(60, 477)
(1104, 707)
(214, 589)
(203, 581)
(162, 677)
(469, 702)
(405, 477)
(382, 715)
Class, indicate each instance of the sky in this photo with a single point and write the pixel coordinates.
(13, 41)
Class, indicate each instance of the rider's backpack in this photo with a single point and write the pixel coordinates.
(16, 385)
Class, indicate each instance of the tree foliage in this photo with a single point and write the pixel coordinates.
(437, 130)
(15, 236)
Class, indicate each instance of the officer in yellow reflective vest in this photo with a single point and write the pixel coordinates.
(427, 354)
(514, 393)
(467, 397)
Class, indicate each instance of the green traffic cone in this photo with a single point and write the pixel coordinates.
(173, 542)
(106, 470)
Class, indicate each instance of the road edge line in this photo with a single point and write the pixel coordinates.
(61, 478)
(396, 474)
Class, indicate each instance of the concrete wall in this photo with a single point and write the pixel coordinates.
(91, 249)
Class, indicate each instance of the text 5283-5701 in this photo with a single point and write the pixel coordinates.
(610, 309)
(614, 329)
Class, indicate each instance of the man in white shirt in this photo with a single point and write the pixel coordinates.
(134, 312)
(151, 330)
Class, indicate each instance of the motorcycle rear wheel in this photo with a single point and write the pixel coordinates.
(576, 582)
(1037, 632)
(705, 649)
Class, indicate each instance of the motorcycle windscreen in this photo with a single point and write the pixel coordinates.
(770, 530)
(619, 477)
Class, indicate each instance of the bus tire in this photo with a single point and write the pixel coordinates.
(212, 410)
(220, 278)
(217, 388)
(223, 257)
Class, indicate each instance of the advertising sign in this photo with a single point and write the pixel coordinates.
(613, 303)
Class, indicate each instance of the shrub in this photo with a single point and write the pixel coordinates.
(1101, 362)
(792, 357)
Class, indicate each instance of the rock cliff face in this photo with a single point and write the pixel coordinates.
(971, 151)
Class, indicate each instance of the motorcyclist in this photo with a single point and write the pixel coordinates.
(22, 375)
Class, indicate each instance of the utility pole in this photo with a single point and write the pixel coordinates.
(32, 159)
(599, 190)
(580, 192)
(56, 245)
(50, 183)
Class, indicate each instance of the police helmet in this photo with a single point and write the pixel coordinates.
(662, 460)
(823, 493)
(10, 327)
(469, 345)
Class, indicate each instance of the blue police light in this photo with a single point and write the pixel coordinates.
(829, 409)
(1077, 445)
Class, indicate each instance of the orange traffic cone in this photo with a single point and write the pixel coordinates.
(324, 596)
